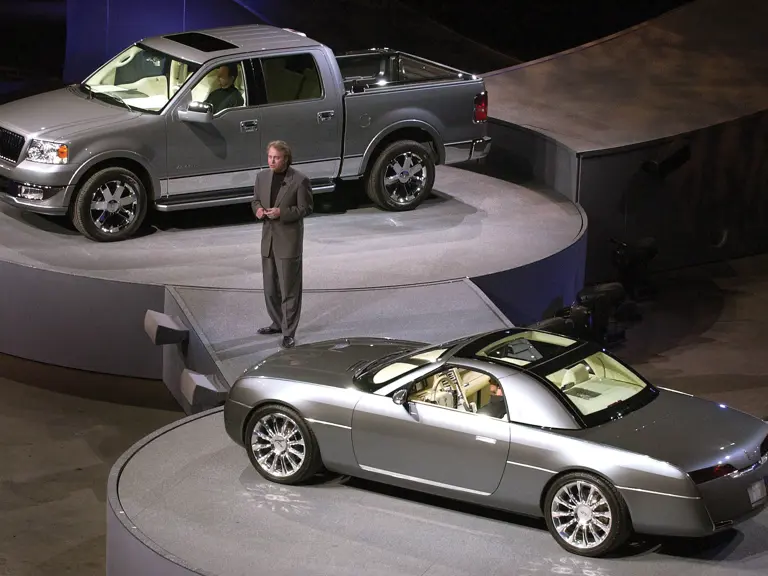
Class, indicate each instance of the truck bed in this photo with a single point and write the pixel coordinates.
(377, 68)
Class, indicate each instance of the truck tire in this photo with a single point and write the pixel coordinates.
(402, 176)
(110, 206)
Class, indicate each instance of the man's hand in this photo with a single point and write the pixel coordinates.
(260, 212)
(273, 213)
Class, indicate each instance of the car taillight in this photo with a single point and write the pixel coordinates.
(712, 473)
(481, 107)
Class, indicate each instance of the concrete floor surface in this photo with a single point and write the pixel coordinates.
(61, 430)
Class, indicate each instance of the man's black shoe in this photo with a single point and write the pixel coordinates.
(288, 342)
(268, 330)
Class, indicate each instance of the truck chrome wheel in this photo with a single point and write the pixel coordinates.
(114, 206)
(278, 445)
(402, 175)
(405, 177)
(581, 514)
(110, 205)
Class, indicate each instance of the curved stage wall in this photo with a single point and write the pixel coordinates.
(656, 131)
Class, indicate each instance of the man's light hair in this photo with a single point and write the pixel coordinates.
(282, 147)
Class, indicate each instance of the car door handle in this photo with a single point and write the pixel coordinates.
(325, 116)
(485, 439)
(249, 125)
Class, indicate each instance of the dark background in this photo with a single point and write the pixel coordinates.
(33, 32)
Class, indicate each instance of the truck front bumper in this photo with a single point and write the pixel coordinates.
(465, 151)
(52, 200)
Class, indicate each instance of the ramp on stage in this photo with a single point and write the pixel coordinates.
(482, 253)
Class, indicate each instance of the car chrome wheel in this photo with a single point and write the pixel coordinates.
(114, 206)
(278, 445)
(405, 177)
(581, 515)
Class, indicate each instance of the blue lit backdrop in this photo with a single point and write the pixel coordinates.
(99, 29)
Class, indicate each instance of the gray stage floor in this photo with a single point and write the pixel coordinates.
(691, 68)
(228, 319)
(475, 225)
(193, 493)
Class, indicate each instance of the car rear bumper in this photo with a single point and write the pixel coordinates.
(667, 514)
(731, 499)
(469, 150)
(722, 503)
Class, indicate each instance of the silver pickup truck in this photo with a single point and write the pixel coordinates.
(182, 121)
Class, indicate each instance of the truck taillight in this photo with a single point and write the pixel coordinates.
(481, 107)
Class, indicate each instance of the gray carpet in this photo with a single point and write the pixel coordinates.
(193, 492)
(228, 319)
(475, 225)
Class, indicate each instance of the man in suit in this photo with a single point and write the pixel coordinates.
(282, 198)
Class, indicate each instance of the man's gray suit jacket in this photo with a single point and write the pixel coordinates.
(283, 235)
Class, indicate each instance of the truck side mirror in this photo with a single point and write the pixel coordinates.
(198, 112)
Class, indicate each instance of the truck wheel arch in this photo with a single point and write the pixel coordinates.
(416, 130)
(128, 160)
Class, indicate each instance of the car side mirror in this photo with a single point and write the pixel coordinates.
(400, 397)
(197, 112)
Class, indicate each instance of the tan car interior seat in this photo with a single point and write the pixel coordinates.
(575, 375)
(477, 386)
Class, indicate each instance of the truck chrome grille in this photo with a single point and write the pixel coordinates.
(10, 145)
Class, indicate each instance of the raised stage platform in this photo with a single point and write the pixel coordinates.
(657, 131)
(186, 500)
(482, 253)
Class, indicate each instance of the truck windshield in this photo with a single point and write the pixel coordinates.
(139, 78)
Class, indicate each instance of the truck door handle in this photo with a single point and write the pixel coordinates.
(325, 116)
(249, 125)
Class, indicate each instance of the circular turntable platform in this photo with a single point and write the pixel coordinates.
(186, 500)
(475, 225)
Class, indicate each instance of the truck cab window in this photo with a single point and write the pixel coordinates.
(291, 78)
(223, 87)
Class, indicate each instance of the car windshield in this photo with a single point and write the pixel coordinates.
(388, 368)
(139, 78)
(601, 387)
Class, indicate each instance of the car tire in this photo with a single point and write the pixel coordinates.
(409, 190)
(272, 459)
(590, 497)
(101, 217)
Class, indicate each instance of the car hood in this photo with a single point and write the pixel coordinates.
(60, 114)
(688, 432)
(331, 362)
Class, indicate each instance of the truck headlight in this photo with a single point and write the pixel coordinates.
(48, 152)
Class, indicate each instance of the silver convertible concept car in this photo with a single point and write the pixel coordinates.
(521, 420)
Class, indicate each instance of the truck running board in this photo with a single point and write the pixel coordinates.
(223, 198)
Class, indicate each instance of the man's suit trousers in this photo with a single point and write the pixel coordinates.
(282, 291)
